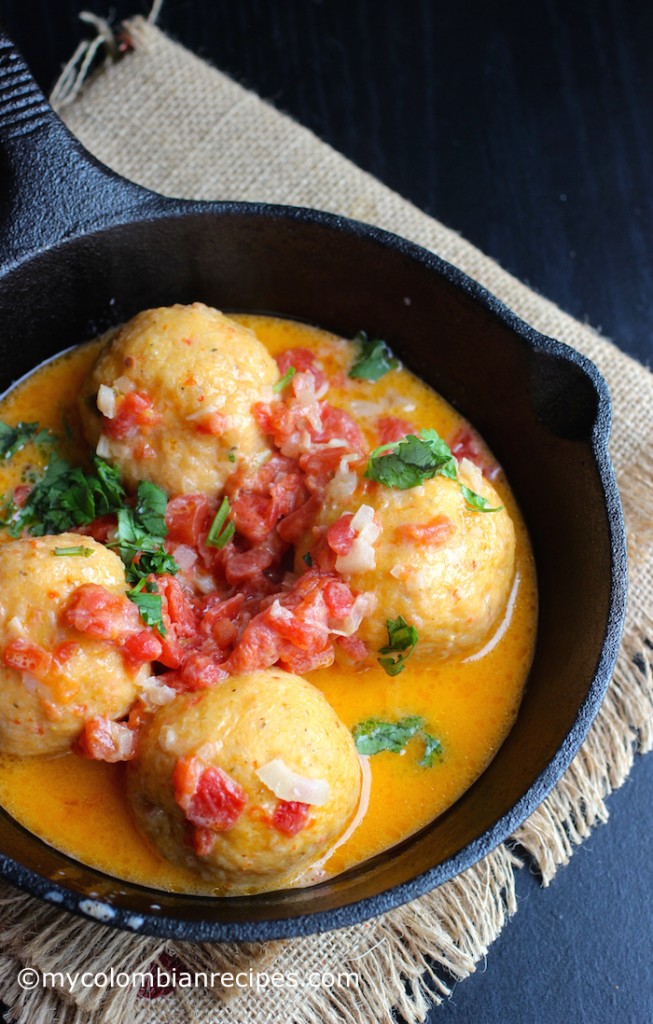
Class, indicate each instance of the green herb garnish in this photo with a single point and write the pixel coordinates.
(477, 501)
(402, 637)
(147, 598)
(285, 380)
(141, 535)
(73, 552)
(231, 454)
(432, 750)
(64, 498)
(411, 461)
(416, 458)
(308, 559)
(221, 530)
(374, 359)
(375, 736)
(12, 439)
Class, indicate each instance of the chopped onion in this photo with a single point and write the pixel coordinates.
(168, 739)
(289, 785)
(184, 556)
(104, 449)
(16, 626)
(361, 556)
(106, 401)
(471, 474)
(154, 693)
(123, 385)
(363, 605)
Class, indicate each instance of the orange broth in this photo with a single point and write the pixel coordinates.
(469, 703)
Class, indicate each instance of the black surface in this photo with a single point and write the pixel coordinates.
(528, 128)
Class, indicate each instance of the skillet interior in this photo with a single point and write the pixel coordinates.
(542, 408)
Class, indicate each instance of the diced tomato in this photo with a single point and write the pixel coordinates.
(99, 529)
(241, 566)
(143, 646)
(436, 531)
(319, 467)
(258, 648)
(214, 423)
(339, 599)
(104, 740)
(177, 607)
(187, 518)
(217, 608)
(21, 494)
(202, 840)
(392, 428)
(466, 444)
(340, 535)
(200, 670)
(25, 656)
(135, 411)
(338, 423)
(259, 500)
(207, 795)
(353, 647)
(290, 816)
(101, 614)
(304, 361)
(64, 652)
(300, 662)
(297, 523)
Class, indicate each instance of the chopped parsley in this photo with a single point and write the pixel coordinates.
(12, 439)
(477, 501)
(64, 498)
(411, 461)
(79, 551)
(141, 535)
(375, 736)
(285, 380)
(222, 528)
(374, 359)
(145, 595)
(402, 639)
(416, 458)
(231, 454)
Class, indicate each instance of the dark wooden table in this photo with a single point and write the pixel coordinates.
(528, 128)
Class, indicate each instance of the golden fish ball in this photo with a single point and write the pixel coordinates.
(443, 566)
(170, 398)
(52, 677)
(246, 783)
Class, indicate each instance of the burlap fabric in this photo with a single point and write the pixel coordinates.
(164, 118)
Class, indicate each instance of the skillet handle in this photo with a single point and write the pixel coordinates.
(51, 187)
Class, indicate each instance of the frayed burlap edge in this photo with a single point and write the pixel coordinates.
(406, 958)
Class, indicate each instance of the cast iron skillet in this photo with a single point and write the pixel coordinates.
(83, 249)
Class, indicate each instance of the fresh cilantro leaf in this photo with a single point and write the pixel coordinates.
(308, 558)
(411, 461)
(401, 637)
(79, 550)
(231, 454)
(374, 359)
(12, 439)
(64, 498)
(221, 530)
(145, 595)
(150, 510)
(285, 380)
(477, 501)
(141, 534)
(374, 735)
(432, 750)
